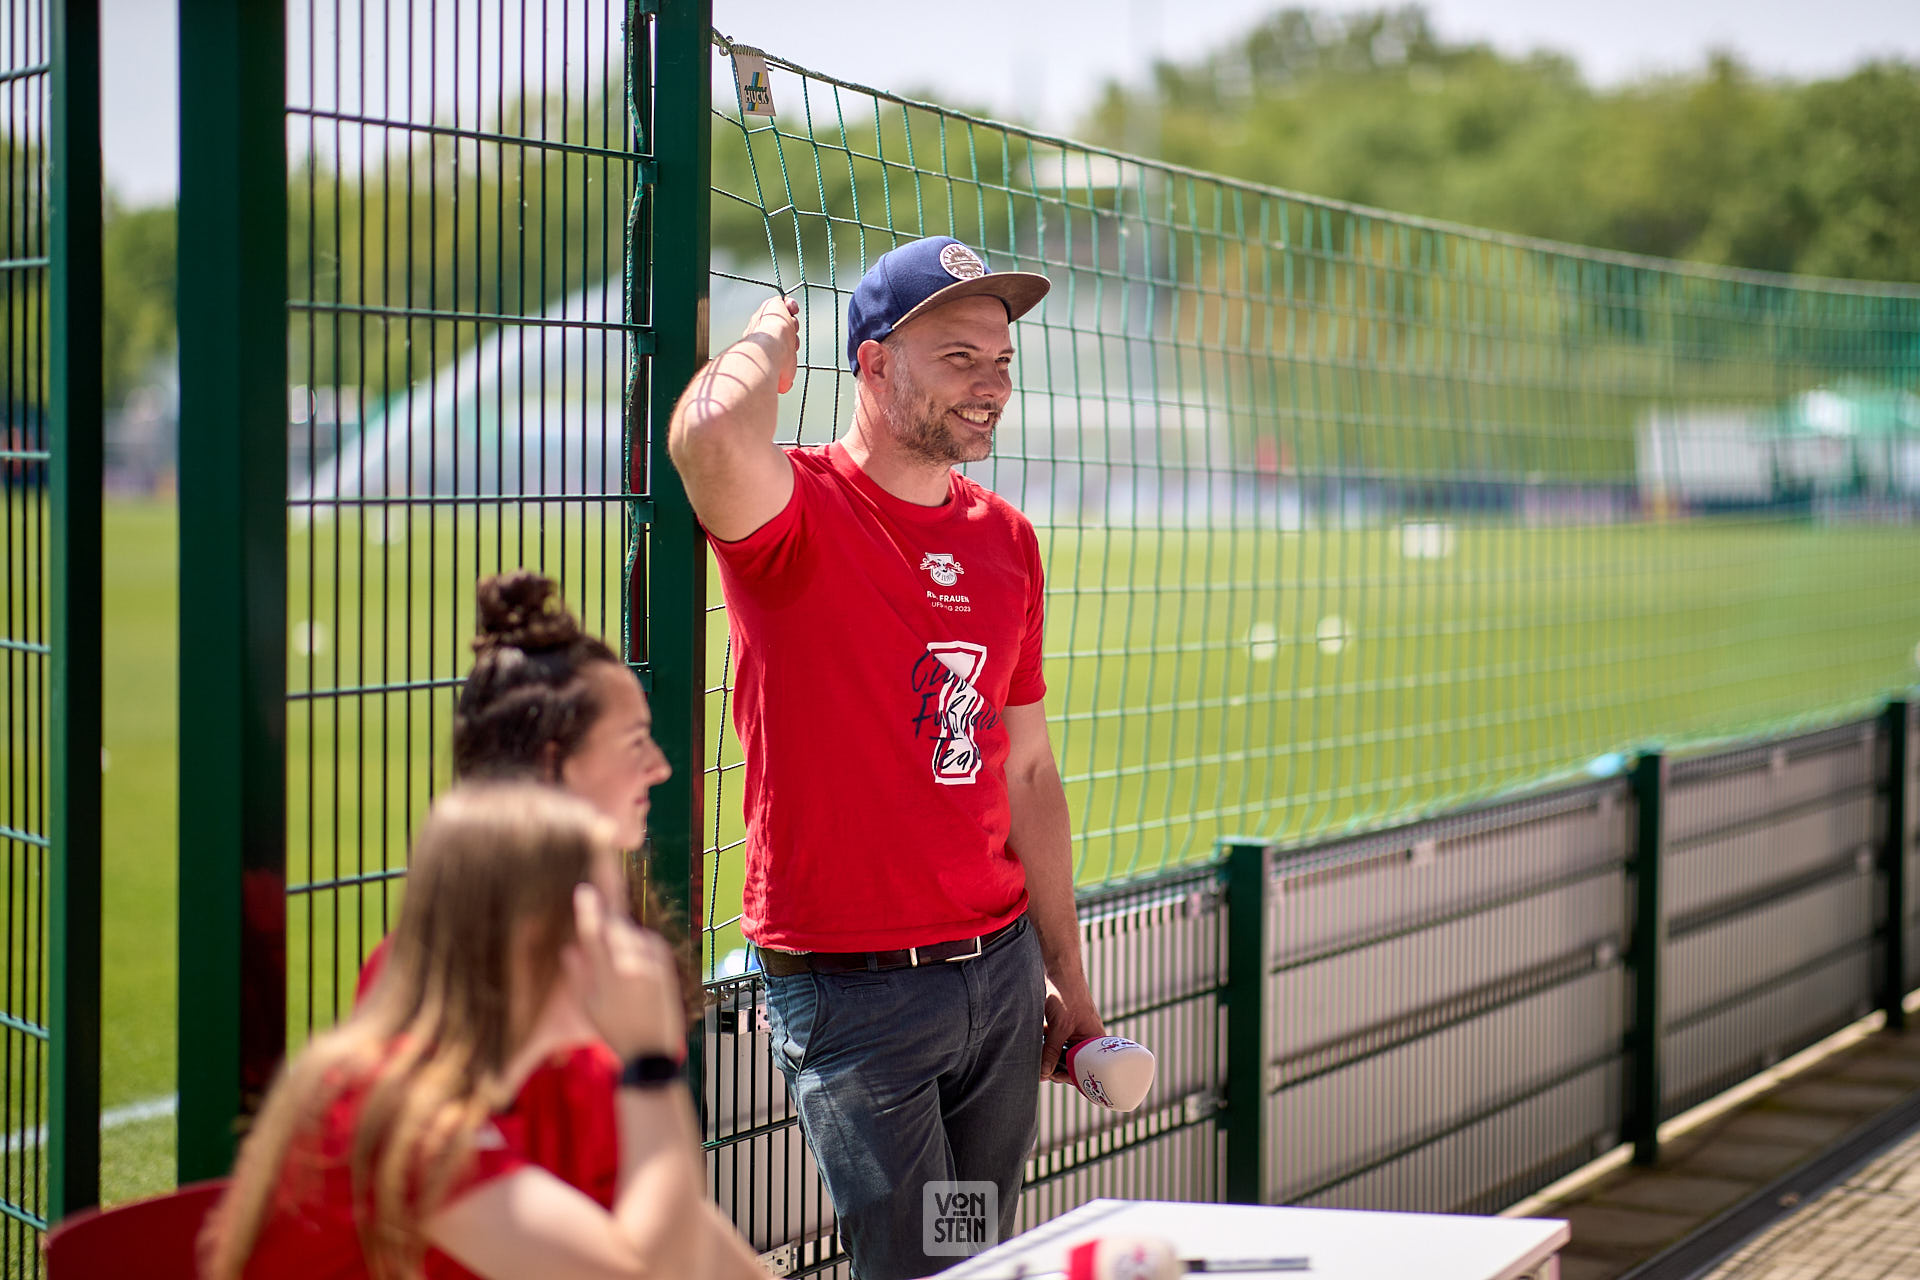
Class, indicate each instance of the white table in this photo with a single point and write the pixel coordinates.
(1341, 1244)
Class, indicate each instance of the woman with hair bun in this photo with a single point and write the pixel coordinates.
(379, 1152)
(548, 703)
(546, 700)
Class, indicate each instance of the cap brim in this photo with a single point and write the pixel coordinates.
(1020, 290)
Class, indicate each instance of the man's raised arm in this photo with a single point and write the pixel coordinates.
(721, 436)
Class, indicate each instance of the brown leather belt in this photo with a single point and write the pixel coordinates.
(784, 964)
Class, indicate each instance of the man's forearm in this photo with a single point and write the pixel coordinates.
(721, 435)
(1043, 841)
(737, 393)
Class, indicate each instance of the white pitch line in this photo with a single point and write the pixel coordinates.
(113, 1118)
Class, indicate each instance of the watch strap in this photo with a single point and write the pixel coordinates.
(648, 1071)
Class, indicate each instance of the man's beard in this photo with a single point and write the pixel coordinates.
(922, 428)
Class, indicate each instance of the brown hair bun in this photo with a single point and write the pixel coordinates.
(522, 610)
(527, 703)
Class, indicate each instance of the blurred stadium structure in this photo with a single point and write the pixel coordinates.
(1836, 444)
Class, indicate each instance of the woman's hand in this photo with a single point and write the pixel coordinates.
(625, 979)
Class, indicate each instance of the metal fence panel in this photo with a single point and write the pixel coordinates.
(1447, 1006)
(1503, 1155)
(1447, 1003)
(460, 187)
(1755, 853)
(50, 637)
(1155, 956)
(1347, 515)
(1771, 903)
(1155, 961)
(1723, 1044)
(232, 263)
(1300, 581)
(1711, 794)
(761, 1172)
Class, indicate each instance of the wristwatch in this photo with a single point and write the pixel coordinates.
(648, 1071)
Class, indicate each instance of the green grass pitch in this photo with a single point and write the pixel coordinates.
(1197, 688)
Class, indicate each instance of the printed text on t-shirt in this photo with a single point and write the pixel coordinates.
(952, 709)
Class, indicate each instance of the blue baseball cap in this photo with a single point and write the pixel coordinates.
(922, 274)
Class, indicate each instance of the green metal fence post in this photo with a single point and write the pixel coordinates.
(73, 1113)
(681, 147)
(1245, 991)
(1649, 941)
(1893, 863)
(233, 567)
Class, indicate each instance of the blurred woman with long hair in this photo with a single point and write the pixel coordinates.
(547, 702)
(379, 1143)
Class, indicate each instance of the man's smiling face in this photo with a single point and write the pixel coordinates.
(949, 379)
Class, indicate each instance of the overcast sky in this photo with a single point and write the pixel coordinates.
(1045, 60)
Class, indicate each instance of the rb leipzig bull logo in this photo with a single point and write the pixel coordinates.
(945, 569)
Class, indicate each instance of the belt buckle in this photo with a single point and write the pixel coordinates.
(969, 955)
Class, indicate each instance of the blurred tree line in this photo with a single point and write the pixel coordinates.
(383, 248)
(381, 245)
(1722, 166)
(136, 323)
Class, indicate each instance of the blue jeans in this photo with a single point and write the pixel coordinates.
(908, 1076)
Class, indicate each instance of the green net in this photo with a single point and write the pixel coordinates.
(1349, 515)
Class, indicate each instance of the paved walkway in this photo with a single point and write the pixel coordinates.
(1866, 1226)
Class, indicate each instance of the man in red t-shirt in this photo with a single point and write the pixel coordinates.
(909, 864)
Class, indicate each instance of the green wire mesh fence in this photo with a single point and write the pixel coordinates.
(1349, 515)
(50, 751)
(457, 209)
(25, 649)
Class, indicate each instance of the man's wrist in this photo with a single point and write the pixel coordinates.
(1070, 981)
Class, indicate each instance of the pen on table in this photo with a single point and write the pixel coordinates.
(1210, 1266)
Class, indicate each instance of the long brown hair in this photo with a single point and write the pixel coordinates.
(492, 876)
(528, 704)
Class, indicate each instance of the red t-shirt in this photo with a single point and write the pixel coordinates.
(311, 1228)
(562, 1120)
(876, 645)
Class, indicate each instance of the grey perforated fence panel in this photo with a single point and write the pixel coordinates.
(762, 1174)
(1447, 1006)
(1155, 959)
(1771, 901)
